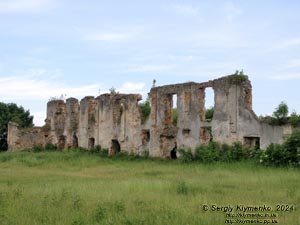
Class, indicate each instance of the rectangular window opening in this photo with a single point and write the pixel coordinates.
(209, 104)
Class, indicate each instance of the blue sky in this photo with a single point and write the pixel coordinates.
(50, 48)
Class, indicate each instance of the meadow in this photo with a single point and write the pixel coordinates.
(78, 188)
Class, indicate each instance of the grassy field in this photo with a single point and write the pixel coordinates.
(79, 188)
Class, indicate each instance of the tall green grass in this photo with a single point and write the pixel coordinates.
(79, 188)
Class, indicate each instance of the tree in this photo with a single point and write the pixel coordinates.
(281, 113)
(294, 119)
(209, 113)
(14, 113)
(145, 108)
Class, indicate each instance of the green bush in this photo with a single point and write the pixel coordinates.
(237, 153)
(99, 151)
(292, 149)
(145, 109)
(145, 154)
(208, 153)
(50, 147)
(285, 154)
(273, 155)
(294, 119)
(186, 155)
(209, 114)
(225, 152)
(37, 148)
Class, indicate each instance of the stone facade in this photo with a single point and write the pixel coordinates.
(113, 121)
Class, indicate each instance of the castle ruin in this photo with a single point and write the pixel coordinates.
(114, 121)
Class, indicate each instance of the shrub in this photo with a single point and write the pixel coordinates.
(145, 154)
(294, 119)
(145, 108)
(37, 148)
(225, 153)
(285, 154)
(209, 114)
(237, 153)
(99, 151)
(273, 155)
(100, 213)
(186, 155)
(50, 147)
(253, 153)
(292, 149)
(208, 153)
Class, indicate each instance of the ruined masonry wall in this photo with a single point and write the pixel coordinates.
(113, 121)
(19, 139)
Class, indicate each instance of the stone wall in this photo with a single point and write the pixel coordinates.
(19, 139)
(113, 121)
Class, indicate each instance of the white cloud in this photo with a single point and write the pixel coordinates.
(25, 6)
(232, 11)
(288, 43)
(186, 10)
(219, 38)
(36, 87)
(295, 63)
(108, 37)
(39, 118)
(142, 68)
(130, 87)
(286, 76)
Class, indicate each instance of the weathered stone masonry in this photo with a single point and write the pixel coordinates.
(113, 121)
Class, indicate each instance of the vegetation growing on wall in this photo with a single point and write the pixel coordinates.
(113, 91)
(238, 77)
(294, 119)
(62, 97)
(145, 108)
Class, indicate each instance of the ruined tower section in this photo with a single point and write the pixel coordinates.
(234, 119)
(72, 122)
(188, 99)
(232, 100)
(55, 123)
(119, 122)
(87, 122)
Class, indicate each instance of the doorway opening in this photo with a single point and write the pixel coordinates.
(75, 141)
(115, 147)
(91, 143)
(61, 142)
